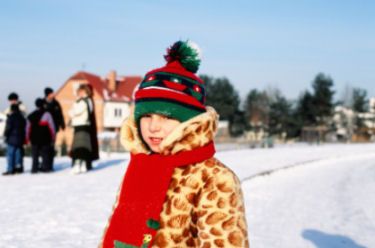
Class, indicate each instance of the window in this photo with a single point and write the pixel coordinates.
(118, 112)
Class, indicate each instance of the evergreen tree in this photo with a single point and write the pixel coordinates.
(256, 108)
(238, 124)
(221, 95)
(360, 105)
(303, 114)
(360, 100)
(280, 117)
(305, 111)
(323, 97)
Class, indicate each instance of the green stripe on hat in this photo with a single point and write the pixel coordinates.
(170, 109)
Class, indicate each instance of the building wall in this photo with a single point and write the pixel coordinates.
(115, 113)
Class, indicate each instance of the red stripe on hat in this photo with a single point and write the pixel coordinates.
(176, 68)
(174, 85)
(169, 94)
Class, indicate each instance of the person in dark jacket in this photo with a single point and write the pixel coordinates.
(40, 132)
(13, 99)
(15, 137)
(53, 106)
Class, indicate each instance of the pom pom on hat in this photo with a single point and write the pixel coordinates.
(187, 53)
(173, 90)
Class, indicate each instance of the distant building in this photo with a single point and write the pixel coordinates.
(372, 105)
(112, 98)
(366, 132)
(222, 132)
(355, 127)
(344, 120)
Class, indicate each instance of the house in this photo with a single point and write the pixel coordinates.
(366, 132)
(355, 127)
(112, 97)
(344, 121)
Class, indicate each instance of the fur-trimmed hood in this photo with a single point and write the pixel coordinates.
(196, 132)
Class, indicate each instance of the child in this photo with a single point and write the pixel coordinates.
(175, 193)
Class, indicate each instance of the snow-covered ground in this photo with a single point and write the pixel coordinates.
(296, 196)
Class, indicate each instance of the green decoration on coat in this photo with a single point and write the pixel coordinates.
(146, 241)
(153, 224)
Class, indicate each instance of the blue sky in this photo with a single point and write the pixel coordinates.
(256, 44)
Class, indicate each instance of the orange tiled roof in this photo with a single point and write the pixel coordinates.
(124, 89)
(126, 86)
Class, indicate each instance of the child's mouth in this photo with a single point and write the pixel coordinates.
(156, 140)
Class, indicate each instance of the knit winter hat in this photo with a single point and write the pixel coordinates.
(173, 90)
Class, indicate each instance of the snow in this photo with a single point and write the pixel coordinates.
(107, 135)
(327, 202)
(296, 196)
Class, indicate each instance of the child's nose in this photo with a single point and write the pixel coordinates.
(155, 123)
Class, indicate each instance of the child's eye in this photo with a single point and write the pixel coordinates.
(146, 115)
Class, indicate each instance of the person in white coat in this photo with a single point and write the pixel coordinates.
(82, 123)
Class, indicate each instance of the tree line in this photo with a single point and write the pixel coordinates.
(272, 112)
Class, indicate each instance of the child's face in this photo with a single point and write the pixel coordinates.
(154, 128)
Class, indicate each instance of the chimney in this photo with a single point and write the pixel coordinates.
(112, 81)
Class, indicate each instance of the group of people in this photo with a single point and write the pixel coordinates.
(39, 129)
